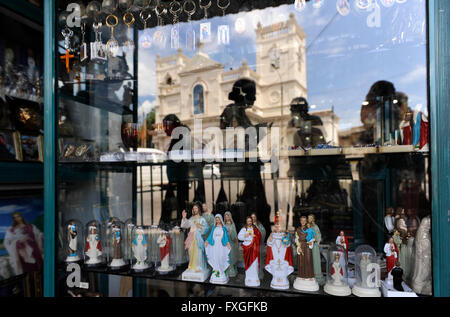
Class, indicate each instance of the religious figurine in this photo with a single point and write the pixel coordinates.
(336, 283)
(251, 237)
(117, 257)
(389, 220)
(197, 225)
(262, 254)
(421, 280)
(209, 217)
(305, 280)
(406, 126)
(164, 243)
(279, 261)
(72, 233)
(316, 249)
(177, 246)
(391, 250)
(342, 240)
(397, 276)
(234, 243)
(93, 246)
(218, 250)
(277, 219)
(400, 222)
(421, 132)
(139, 249)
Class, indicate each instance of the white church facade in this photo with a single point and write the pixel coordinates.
(198, 87)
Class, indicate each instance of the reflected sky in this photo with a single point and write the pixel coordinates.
(345, 54)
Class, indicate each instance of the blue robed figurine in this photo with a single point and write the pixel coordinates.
(218, 249)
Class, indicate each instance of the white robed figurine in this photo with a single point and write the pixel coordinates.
(93, 247)
(337, 274)
(139, 248)
(73, 243)
(218, 249)
(279, 258)
(197, 269)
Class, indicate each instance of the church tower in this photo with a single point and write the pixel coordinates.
(281, 64)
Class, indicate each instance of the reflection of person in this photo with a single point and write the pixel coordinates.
(251, 237)
(24, 243)
(194, 242)
(218, 249)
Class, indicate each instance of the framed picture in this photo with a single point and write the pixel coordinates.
(31, 148)
(10, 149)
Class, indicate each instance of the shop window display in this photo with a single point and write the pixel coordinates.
(334, 153)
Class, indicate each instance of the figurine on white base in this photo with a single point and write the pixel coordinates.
(139, 249)
(367, 272)
(251, 236)
(164, 242)
(218, 250)
(93, 245)
(342, 241)
(197, 269)
(305, 280)
(279, 258)
(72, 237)
(336, 282)
(117, 258)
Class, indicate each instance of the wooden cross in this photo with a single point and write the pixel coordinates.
(67, 58)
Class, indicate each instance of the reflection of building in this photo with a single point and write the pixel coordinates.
(198, 87)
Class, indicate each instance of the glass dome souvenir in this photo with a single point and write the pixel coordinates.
(337, 284)
(73, 244)
(139, 249)
(164, 243)
(130, 226)
(93, 251)
(116, 245)
(367, 272)
(177, 250)
(153, 234)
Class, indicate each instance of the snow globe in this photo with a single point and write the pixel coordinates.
(116, 245)
(139, 249)
(93, 252)
(367, 272)
(337, 272)
(73, 241)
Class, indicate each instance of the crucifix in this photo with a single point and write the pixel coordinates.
(67, 58)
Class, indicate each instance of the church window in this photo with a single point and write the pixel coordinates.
(199, 101)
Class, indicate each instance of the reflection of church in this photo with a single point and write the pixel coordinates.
(198, 87)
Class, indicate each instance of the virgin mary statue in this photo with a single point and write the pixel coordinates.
(218, 251)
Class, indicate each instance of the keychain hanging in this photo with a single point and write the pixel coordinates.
(205, 7)
(190, 33)
(223, 7)
(67, 33)
(175, 9)
(160, 11)
(97, 47)
(112, 46)
(83, 46)
(128, 20)
(145, 40)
